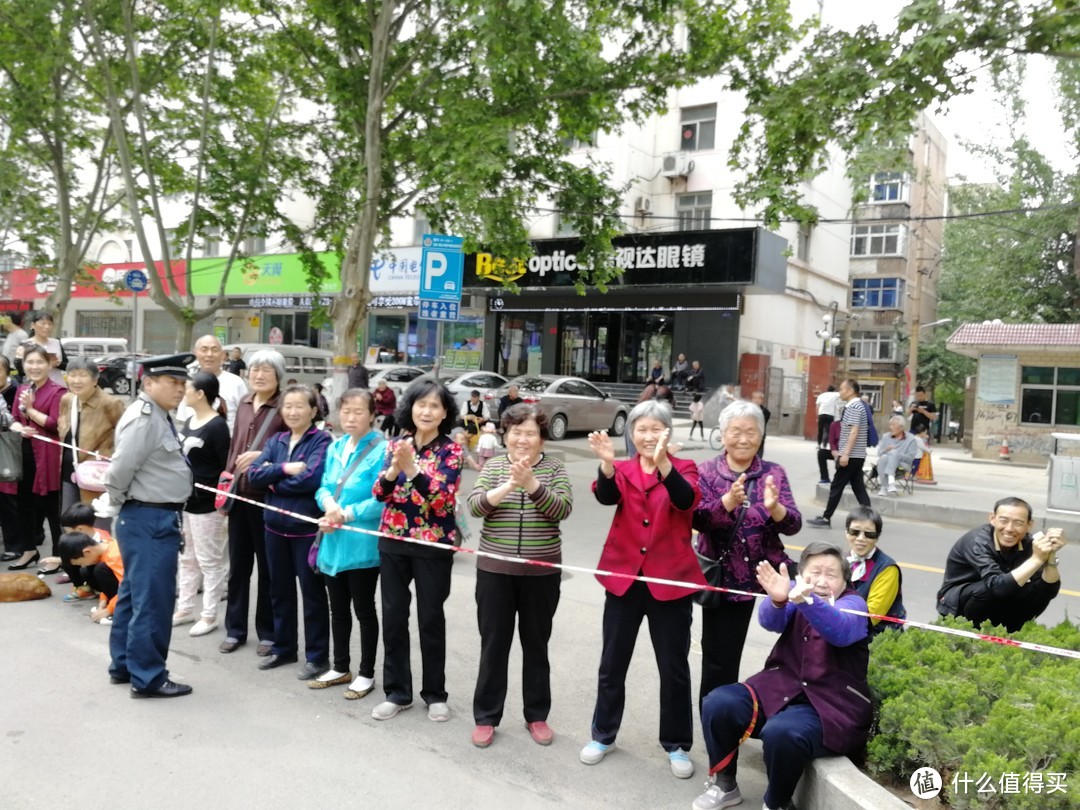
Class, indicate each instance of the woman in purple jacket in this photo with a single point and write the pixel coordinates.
(291, 468)
(812, 698)
(739, 489)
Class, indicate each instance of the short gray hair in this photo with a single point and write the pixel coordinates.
(649, 409)
(897, 420)
(741, 409)
(269, 357)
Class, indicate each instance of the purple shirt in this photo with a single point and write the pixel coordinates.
(759, 535)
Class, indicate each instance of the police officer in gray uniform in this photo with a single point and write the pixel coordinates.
(148, 482)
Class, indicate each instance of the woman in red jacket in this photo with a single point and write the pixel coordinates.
(655, 496)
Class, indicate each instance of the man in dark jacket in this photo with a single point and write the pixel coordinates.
(358, 374)
(999, 572)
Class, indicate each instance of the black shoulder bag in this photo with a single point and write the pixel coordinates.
(714, 569)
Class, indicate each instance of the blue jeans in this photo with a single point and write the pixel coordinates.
(149, 541)
(790, 738)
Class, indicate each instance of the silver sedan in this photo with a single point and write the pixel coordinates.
(570, 403)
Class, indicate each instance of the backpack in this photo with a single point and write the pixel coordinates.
(871, 431)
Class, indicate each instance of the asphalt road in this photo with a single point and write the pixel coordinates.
(247, 738)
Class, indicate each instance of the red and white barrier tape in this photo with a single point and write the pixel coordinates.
(952, 631)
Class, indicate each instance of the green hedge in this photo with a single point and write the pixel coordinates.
(965, 706)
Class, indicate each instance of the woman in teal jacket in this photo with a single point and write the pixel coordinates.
(349, 560)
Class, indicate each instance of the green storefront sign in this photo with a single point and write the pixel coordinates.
(262, 275)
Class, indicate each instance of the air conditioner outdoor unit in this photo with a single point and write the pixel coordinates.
(675, 165)
(643, 205)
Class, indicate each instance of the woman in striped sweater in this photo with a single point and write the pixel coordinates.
(522, 497)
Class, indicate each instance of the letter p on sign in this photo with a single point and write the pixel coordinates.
(434, 266)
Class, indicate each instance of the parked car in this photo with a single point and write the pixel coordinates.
(93, 347)
(570, 403)
(463, 383)
(116, 372)
(397, 375)
(304, 364)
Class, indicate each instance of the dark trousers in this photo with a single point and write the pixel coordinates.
(532, 600)
(247, 549)
(978, 605)
(851, 474)
(824, 420)
(34, 510)
(669, 629)
(790, 738)
(356, 586)
(286, 557)
(824, 456)
(432, 578)
(101, 578)
(700, 426)
(9, 523)
(723, 636)
(149, 542)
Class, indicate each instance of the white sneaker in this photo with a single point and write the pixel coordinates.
(202, 627)
(680, 762)
(388, 710)
(716, 799)
(182, 618)
(106, 621)
(438, 712)
(594, 752)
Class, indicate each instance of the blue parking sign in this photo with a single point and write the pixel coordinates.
(442, 266)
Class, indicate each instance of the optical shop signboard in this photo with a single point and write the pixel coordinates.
(280, 282)
(748, 258)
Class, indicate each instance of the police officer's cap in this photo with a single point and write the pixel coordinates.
(171, 365)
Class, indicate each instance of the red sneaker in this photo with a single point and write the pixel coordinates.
(482, 736)
(541, 732)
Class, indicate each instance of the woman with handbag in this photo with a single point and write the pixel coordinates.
(655, 495)
(349, 560)
(418, 489)
(746, 504)
(10, 464)
(204, 561)
(257, 419)
(291, 470)
(37, 412)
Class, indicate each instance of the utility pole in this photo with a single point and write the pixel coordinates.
(915, 322)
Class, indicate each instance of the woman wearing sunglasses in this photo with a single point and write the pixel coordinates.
(875, 575)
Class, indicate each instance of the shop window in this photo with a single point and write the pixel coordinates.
(1050, 395)
(877, 293)
(694, 211)
(878, 240)
(520, 337)
(698, 128)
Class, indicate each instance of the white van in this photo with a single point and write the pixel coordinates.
(302, 363)
(93, 347)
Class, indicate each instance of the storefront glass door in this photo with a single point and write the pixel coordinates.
(646, 338)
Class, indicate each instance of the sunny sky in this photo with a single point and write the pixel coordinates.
(976, 117)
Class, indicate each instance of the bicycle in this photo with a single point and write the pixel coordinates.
(716, 439)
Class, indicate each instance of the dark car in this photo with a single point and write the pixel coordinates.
(115, 372)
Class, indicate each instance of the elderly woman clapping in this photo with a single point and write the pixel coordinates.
(746, 504)
(895, 451)
(654, 495)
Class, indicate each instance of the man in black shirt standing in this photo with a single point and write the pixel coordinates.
(511, 398)
(923, 412)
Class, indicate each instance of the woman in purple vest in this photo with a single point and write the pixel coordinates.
(875, 575)
(812, 698)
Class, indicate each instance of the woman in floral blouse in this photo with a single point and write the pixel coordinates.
(418, 487)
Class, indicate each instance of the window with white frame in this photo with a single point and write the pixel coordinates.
(255, 244)
(877, 293)
(212, 242)
(698, 128)
(694, 211)
(1050, 395)
(889, 187)
(563, 225)
(878, 240)
(873, 346)
(802, 242)
(421, 226)
(574, 143)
